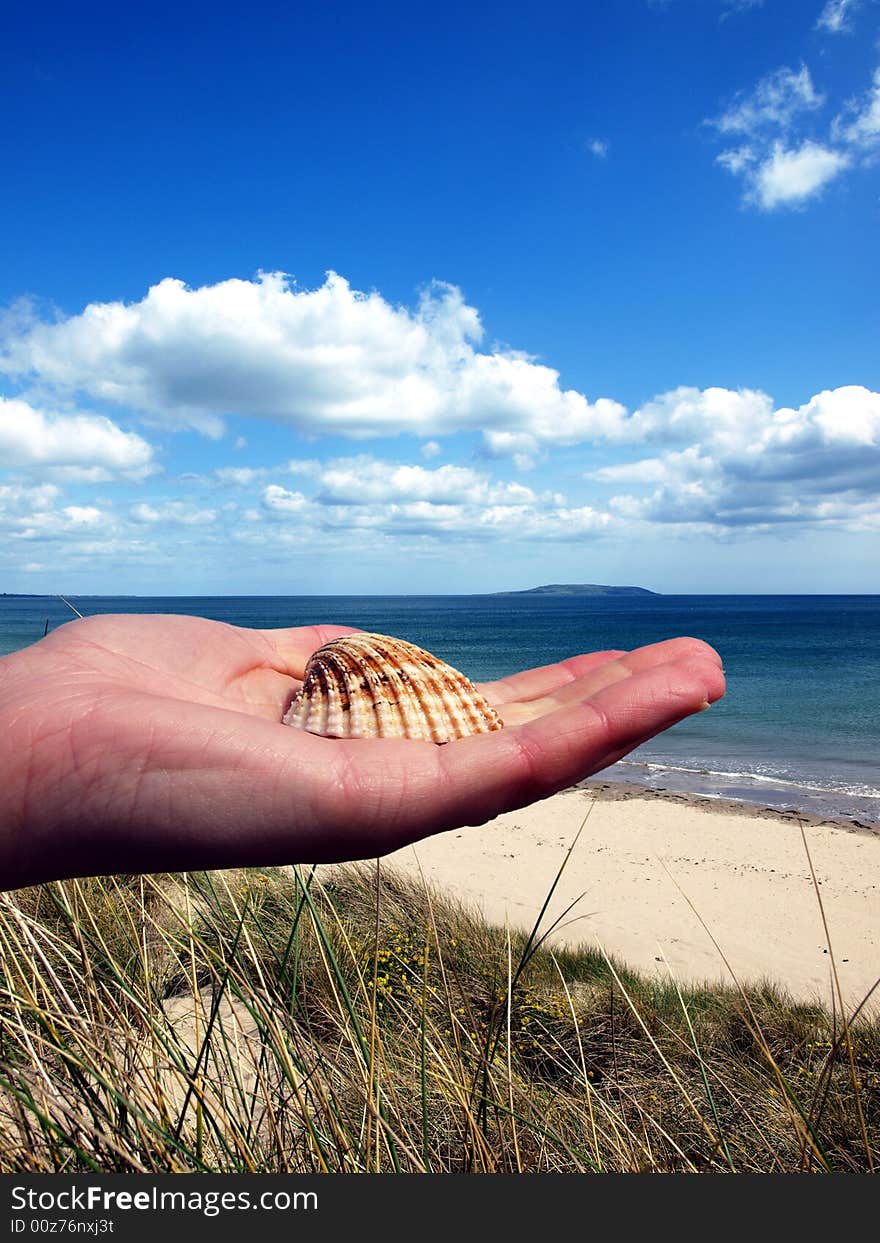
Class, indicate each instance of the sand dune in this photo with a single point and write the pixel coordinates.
(648, 868)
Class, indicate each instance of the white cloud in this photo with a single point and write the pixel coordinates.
(774, 103)
(790, 178)
(784, 177)
(737, 160)
(278, 500)
(85, 445)
(835, 14)
(859, 125)
(724, 461)
(238, 476)
(709, 461)
(730, 424)
(502, 444)
(672, 467)
(598, 148)
(16, 495)
(754, 465)
(32, 513)
(181, 513)
(302, 466)
(842, 416)
(367, 494)
(720, 416)
(502, 522)
(83, 515)
(330, 360)
(712, 460)
(145, 513)
(779, 166)
(554, 523)
(364, 480)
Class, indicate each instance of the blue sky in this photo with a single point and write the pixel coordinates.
(451, 298)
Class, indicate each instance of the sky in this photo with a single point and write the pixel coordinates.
(345, 298)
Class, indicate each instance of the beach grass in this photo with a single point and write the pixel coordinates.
(264, 1021)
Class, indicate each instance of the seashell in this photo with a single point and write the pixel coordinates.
(374, 686)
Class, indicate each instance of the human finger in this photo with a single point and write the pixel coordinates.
(609, 672)
(294, 645)
(531, 683)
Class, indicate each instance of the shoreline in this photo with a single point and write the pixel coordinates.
(677, 884)
(610, 790)
(856, 797)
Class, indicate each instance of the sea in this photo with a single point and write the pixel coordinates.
(799, 728)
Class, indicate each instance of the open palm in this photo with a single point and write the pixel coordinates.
(153, 743)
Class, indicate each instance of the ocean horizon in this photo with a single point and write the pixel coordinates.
(797, 730)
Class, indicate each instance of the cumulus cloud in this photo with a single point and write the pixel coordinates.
(790, 178)
(724, 417)
(782, 177)
(570, 421)
(238, 476)
(87, 445)
(555, 522)
(506, 522)
(723, 461)
(672, 468)
(779, 166)
(83, 515)
(329, 360)
(278, 500)
(751, 464)
(336, 361)
(32, 513)
(302, 466)
(181, 513)
(366, 480)
(368, 494)
(16, 495)
(698, 462)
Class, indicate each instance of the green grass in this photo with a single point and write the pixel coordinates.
(258, 1021)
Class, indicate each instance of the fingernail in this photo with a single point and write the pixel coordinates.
(705, 706)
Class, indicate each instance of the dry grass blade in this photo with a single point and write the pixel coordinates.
(263, 1021)
(845, 1038)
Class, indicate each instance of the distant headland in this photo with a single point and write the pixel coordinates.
(578, 589)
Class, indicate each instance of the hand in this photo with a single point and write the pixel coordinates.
(154, 743)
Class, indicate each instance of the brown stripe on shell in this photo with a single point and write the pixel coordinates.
(321, 706)
(367, 685)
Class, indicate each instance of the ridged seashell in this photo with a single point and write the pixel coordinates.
(373, 686)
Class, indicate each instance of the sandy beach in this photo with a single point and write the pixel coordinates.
(650, 870)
